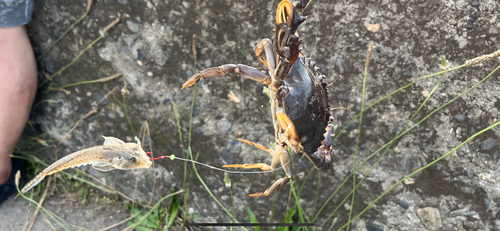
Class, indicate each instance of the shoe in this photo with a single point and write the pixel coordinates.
(9, 187)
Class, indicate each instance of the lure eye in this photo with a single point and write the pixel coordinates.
(133, 159)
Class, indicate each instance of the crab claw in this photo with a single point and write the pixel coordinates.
(284, 14)
(194, 79)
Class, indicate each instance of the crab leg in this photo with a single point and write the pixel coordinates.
(278, 183)
(267, 46)
(257, 146)
(247, 71)
(274, 153)
(285, 162)
(322, 157)
(280, 156)
(262, 166)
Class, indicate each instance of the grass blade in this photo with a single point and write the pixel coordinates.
(251, 218)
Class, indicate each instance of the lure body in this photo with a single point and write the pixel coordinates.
(113, 154)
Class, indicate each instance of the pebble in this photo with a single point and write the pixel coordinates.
(370, 226)
(473, 18)
(49, 65)
(343, 97)
(458, 133)
(133, 26)
(223, 126)
(351, 126)
(453, 42)
(391, 56)
(459, 117)
(149, 73)
(430, 218)
(346, 150)
(487, 202)
(496, 228)
(208, 63)
(105, 54)
(403, 204)
(119, 45)
(98, 97)
(409, 181)
(439, 167)
(493, 31)
(189, 73)
(475, 3)
(132, 43)
(226, 156)
(470, 175)
(44, 37)
(222, 59)
(488, 144)
(472, 225)
(234, 146)
(389, 182)
(238, 134)
(339, 63)
(394, 7)
(411, 164)
(468, 190)
(123, 1)
(424, 139)
(160, 57)
(140, 55)
(462, 212)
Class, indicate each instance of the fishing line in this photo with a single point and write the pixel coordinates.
(173, 157)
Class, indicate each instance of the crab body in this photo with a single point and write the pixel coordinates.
(305, 101)
(298, 95)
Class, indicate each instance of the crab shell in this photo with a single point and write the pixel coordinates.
(304, 99)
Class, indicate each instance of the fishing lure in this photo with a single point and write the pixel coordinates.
(113, 154)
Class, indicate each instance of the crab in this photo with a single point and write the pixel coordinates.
(298, 95)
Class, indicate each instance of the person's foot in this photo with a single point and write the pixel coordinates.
(18, 78)
(9, 187)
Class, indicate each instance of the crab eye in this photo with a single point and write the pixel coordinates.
(133, 159)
